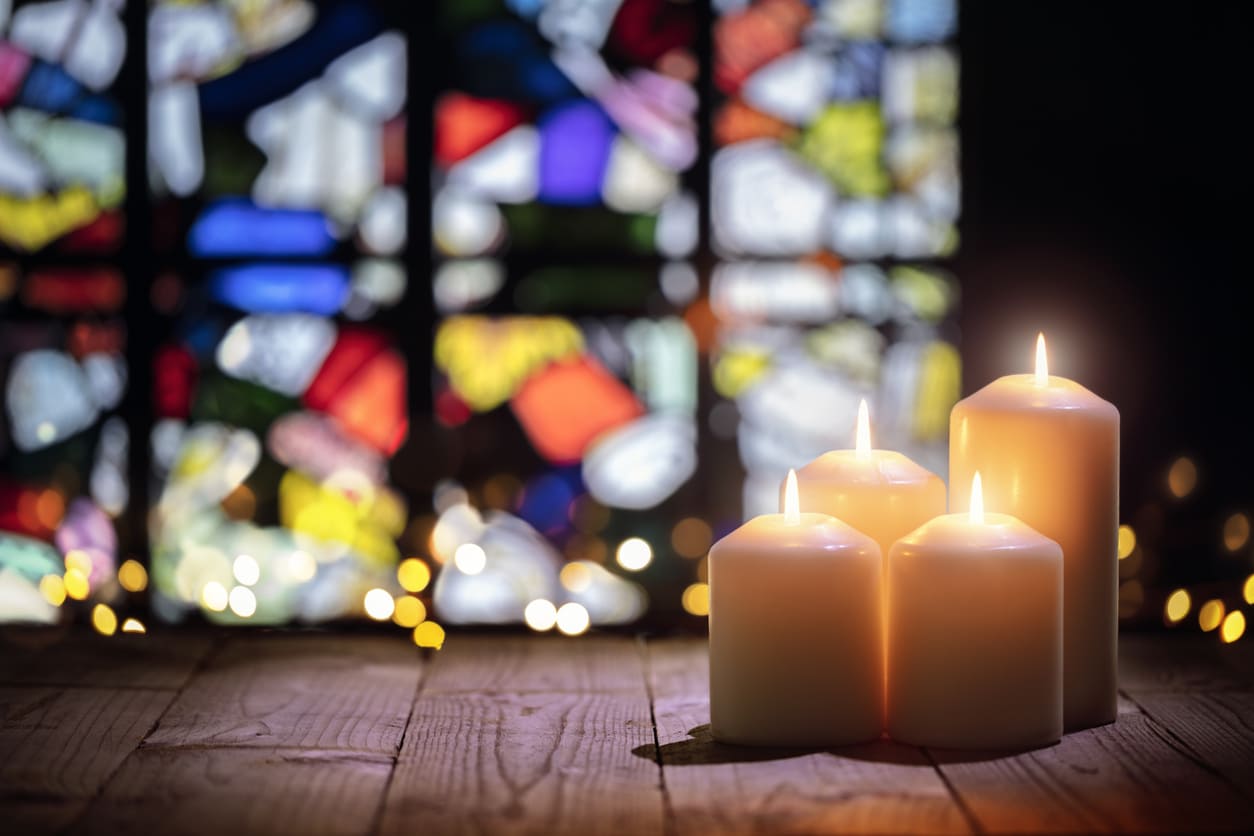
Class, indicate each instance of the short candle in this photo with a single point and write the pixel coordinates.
(975, 633)
(881, 493)
(1048, 450)
(796, 636)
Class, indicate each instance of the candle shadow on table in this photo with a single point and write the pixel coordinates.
(700, 748)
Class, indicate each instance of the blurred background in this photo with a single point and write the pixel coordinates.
(501, 311)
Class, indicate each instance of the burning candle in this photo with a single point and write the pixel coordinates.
(881, 493)
(975, 633)
(796, 655)
(1048, 450)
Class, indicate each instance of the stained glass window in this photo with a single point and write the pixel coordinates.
(63, 446)
(669, 245)
(277, 162)
(834, 199)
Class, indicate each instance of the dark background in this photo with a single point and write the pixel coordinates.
(1105, 181)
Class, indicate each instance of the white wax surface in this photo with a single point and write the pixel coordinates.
(883, 494)
(975, 635)
(796, 655)
(1049, 455)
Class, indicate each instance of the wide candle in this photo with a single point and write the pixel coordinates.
(975, 633)
(881, 493)
(1048, 450)
(796, 656)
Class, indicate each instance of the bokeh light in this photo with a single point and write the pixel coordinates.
(52, 587)
(1211, 615)
(76, 585)
(634, 554)
(540, 615)
(301, 566)
(1177, 607)
(246, 570)
(691, 537)
(696, 599)
(1247, 590)
(242, 601)
(470, 558)
(1182, 477)
(134, 625)
(429, 634)
(413, 574)
(132, 576)
(1233, 627)
(79, 561)
(1127, 541)
(104, 620)
(379, 604)
(1236, 532)
(572, 619)
(409, 612)
(214, 597)
(575, 577)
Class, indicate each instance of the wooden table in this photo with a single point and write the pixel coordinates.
(311, 733)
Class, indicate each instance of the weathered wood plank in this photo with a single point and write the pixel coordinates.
(1175, 662)
(80, 658)
(64, 743)
(876, 788)
(545, 746)
(189, 792)
(1217, 726)
(1127, 776)
(518, 664)
(299, 690)
(39, 816)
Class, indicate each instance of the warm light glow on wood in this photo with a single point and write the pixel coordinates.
(862, 443)
(1042, 362)
(792, 505)
(977, 500)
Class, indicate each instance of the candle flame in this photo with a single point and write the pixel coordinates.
(862, 441)
(792, 505)
(977, 500)
(1042, 362)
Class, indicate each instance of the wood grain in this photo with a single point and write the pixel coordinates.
(238, 792)
(877, 788)
(490, 750)
(64, 743)
(300, 690)
(79, 658)
(544, 664)
(1127, 776)
(1217, 726)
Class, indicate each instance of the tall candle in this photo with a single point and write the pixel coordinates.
(881, 493)
(1048, 450)
(975, 633)
(796, 635)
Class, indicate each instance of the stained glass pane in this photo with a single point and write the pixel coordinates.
(564, 210)
(277, 158)
(835, 194)
(63, 445)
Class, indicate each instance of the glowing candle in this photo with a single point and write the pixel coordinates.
(881, 493)
(796, 655)
(975, 633)
(1048, 450)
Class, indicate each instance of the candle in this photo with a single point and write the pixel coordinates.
(975, 633)
(796, 638)
(881, 493)
(1048, 450)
